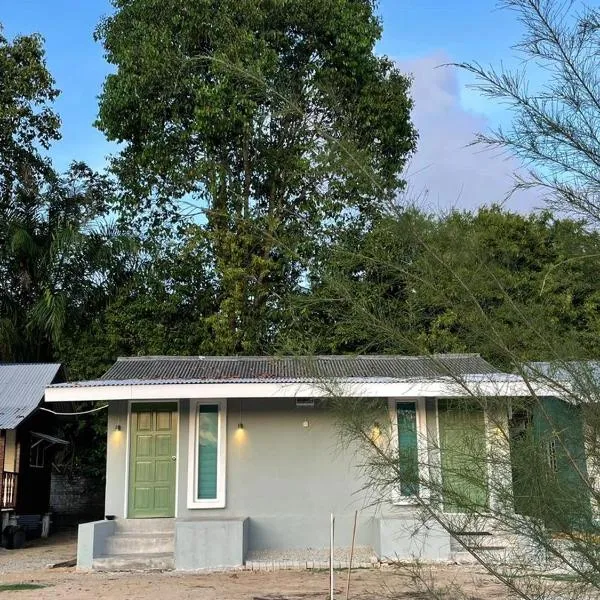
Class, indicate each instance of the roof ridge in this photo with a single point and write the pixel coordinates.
(29, 364)
(299, 356)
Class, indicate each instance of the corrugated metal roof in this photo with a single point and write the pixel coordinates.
(22, 389)
(565, 369)
(285, 369)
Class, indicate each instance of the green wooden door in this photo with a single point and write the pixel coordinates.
(463, 456)
(549, 465)
(152, 467)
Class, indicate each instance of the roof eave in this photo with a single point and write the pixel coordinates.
(439, 387)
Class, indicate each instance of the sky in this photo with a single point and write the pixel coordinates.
(421, 35)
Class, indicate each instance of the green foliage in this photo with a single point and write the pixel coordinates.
(276, 120)
(464, 282)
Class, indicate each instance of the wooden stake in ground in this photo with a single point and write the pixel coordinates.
(351, 555)
(331, 542)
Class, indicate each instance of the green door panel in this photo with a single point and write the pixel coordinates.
(463, 456)
(152, 470)
(548, 464)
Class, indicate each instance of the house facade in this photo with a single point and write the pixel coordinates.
(222, 461)
(26, 445)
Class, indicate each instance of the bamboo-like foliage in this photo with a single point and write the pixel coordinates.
(521, 469)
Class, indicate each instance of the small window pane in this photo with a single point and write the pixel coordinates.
(408, 449)
(208, 444)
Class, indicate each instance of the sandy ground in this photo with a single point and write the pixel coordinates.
(29, 565)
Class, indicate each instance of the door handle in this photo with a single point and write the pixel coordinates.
(173, 458)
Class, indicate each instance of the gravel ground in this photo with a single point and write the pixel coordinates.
(370, 584)
(29, 566)
(363, 555)
(38, 554)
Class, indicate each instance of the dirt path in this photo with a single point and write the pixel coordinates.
(29, 566)
(62, 584)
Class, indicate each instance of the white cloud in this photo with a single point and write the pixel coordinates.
(446, 171)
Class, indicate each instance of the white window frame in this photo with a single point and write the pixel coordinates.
(193, 500)
(40, 455)
(422, 448)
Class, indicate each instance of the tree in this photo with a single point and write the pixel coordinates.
(537, 293)
(554, 126)
(60, 259)
(27, 126)
(418, 284)
(252, 113)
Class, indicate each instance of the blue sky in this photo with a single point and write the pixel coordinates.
(420, 34)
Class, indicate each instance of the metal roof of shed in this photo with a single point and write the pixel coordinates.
(22, 388)
(149, 370)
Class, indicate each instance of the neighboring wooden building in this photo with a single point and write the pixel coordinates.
(26, 443)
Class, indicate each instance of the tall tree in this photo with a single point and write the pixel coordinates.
(28, 125)
(275, 118)
(58, 259)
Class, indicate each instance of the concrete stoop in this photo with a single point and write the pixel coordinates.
(139, 545)
(301, 565)
(135, 562)
(490, 546)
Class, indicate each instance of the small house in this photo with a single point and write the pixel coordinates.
(224, 461)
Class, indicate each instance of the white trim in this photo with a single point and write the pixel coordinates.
(177, 457)
(127, 458)
(487, 432)
(422, 447)
(127, 455)
(192, 501)
(441, 387)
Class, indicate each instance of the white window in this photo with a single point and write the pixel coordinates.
(207, 453)
(409, 434)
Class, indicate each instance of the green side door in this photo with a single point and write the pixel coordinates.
(549, 464)
(463, 456)
(152, 466)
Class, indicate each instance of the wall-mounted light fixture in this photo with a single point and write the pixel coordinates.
(117, 427)
(305, 423)
(375, 432)
(241, 421)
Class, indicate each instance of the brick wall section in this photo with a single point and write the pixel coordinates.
(75, 496)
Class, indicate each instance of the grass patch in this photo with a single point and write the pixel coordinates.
(15, 587)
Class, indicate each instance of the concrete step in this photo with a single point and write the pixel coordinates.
(488, 555)
(481, 540)
(140, 543)
(145, 525)
(135, 562)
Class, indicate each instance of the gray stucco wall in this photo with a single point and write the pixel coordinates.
(285, 478)
(91, 541)
(210, 544)
(116, 459)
